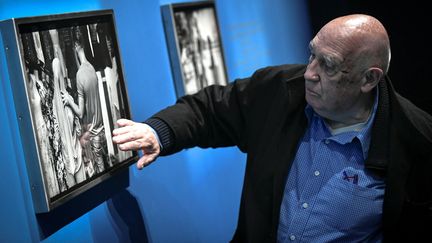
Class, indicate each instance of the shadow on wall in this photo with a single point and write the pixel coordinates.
(124, 209)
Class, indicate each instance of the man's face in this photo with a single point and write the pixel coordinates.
(332, 82)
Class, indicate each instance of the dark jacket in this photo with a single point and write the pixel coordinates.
(264, 116)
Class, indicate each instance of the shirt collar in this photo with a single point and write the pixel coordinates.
(318, 124)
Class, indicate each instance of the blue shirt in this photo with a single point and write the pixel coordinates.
(329, 196)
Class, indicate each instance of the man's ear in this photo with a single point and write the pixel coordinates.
(371, 78)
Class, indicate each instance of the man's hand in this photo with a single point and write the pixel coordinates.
(134, 136)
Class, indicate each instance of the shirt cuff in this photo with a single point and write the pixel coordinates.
(163, 133)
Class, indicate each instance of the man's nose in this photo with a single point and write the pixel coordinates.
(311, 74)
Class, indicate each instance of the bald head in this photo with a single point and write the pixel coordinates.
(362, 37)
(349, 57)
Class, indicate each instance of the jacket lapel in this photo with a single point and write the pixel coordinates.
(292, 114)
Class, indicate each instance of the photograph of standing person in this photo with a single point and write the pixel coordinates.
(74, 89)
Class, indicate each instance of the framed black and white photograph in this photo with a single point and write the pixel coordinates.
(69, 89)
(195, 46)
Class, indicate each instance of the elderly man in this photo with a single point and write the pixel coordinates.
(334, 153)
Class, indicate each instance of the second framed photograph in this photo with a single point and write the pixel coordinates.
(195, 46)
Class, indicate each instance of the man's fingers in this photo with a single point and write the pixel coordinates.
(124, 122)
(145, 160)
(135, 136)
(120, 137)
(141, 163)
(121, 130)
(127, 144)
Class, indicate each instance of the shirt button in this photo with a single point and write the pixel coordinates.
(305, 205)
(316, 173)
(292, 237)
(327, 141)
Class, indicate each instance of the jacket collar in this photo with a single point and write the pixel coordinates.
(379, 147)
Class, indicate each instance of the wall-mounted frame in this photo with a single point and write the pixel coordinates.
(68, 89)
(195, 46)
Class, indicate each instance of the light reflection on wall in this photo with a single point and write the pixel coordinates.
(29, 8)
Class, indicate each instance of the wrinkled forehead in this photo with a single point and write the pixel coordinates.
(328, 46)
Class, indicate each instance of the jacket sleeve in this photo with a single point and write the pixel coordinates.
(213, 117)
(220, 116)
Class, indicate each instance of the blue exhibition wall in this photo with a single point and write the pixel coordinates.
(192, 196)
